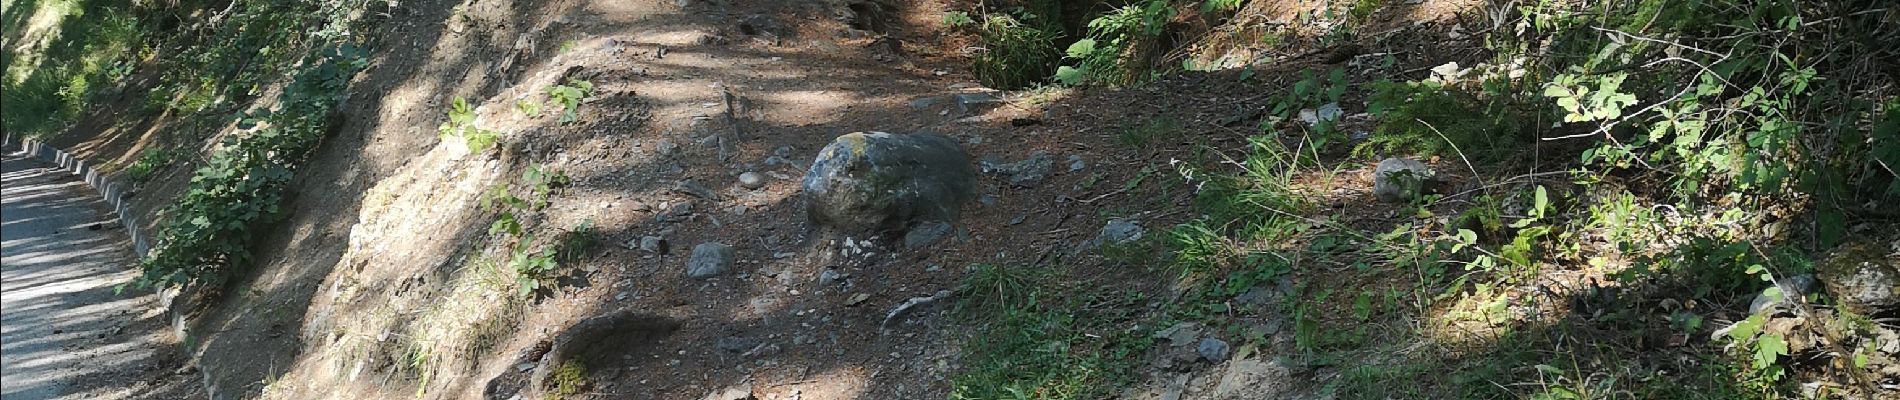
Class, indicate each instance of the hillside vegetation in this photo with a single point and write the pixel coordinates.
(1626, 199)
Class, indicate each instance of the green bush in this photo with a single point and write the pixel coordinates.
(1119, 46)
(208, 229)
(1017, 52)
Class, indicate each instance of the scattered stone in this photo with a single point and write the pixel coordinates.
(1025, 173)
(675, 212)
(977, 102)
(524, 367)
(653, 244)
(1018, 220)
(735, 344)
(1076, 164)
(1120, 231)
(856, 298)
(925, 234)
(752, 180)
(666, 147)
(925, 102)
(828, 277)
(1180, 334)
(1793, 287)
(1213, 350)
(881, 181)
(1398, 180)
(709, 259)
(730, 393)
(1326, 113)
(690, 188)
(1862, 277)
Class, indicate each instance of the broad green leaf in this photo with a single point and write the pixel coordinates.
(1068, 75)
(1081, 48)
(1768, 349)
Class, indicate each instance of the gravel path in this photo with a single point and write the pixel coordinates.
(65, 332)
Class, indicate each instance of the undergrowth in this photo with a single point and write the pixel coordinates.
(1640, 170)
(208, 229)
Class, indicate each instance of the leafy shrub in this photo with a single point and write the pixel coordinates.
(208, 229)
(1119, 46)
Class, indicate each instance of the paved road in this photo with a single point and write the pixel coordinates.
(64, 333)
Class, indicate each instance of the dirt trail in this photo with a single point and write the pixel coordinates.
(67, 333)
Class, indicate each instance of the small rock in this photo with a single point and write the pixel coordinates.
(709, 259)
(1398, 180)
(978, 102)
(828, 277)
(735, 344)
(524, 367)
(653, 244)
(731, 393)
(1018, 219)
(752, 180)
(1076, 164)
(1180, 334)
(856, 298)
(1025, 173)
(1120, 231)
(925, 102)
(1213, 350)
(924, 234)
(694, 189)
(1326, 113)
(1793, 287)
(675, 212)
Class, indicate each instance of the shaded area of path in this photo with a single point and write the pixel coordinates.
(65, 332)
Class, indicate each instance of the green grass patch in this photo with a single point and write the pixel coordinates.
(1036, 338)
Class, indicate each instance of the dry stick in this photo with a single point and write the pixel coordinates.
(732, 121)
(1103, 195)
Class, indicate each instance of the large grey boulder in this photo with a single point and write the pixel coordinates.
(1863, 277)
(877, 181)
(1398, 180)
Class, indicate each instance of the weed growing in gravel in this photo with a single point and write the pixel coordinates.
(461, 125)
(569, 97)
(150, 161)
(1038, 339)
(531, 262)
